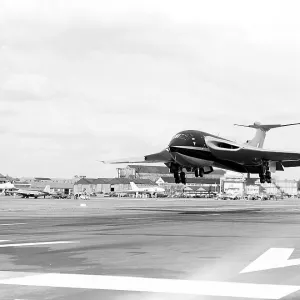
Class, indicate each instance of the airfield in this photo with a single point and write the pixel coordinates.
(152, 249)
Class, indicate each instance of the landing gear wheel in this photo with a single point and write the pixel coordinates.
(262, 178)
(196, 172)
(182, 177)
(265, 175)
(201, 172)
(177, 178)
(268, 177)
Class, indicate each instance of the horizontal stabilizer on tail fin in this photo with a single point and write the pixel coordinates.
(266, 127)
(261, 130)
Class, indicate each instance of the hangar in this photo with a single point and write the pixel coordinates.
(238, 183)
(61, 187)
(193, 184)
(155, 172)
(143, 172)
(92, 185)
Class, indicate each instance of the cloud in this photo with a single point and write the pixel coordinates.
(26, 87)
(4, 112)
(26, 83)
(106, 80)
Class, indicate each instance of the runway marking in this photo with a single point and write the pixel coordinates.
(146, 218)
(152, 285)
(13, 224)
(207, 215)
(272, 259)
(38, 244)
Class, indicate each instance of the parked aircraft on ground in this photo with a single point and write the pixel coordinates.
(198, 151)
(34, 193)
(5, 187)
(151, 190)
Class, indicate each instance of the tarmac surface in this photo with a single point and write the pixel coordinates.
(149, 249)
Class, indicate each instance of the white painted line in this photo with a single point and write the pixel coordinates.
(38, 244)
(272, 259)
(153, 285)
(146, 218)
(12, 224)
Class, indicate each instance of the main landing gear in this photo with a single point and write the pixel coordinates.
(265, 174)
(180, 176)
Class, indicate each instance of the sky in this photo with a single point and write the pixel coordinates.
(82, 81)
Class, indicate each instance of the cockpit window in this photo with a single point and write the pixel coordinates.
(183, 136)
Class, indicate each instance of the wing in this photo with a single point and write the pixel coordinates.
(291, 163)
(273, 155)
(163, 156)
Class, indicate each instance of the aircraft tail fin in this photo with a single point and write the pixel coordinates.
(134, 186)
(261, 131)
(47, 189)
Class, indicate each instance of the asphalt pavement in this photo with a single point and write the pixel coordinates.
(121, 248)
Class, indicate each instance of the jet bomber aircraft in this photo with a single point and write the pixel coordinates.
(199, 152)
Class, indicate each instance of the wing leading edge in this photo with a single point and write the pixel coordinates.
(163, 157)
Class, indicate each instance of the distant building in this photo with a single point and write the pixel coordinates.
(239, 183)
(143, 172)
(121, 184)
(23, 185)
(61, 187)
(282, 187)
(3, 179)
(42, 179)
(193, 184)
(48, 179)
(107, 185)
(155, 172)
(92, 185)
(233, 183)
(252, 186)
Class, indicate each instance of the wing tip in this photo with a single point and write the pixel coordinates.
(101, 161)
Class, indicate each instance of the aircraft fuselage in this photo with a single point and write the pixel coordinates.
(199, 154)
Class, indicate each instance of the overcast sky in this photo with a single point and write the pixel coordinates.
(85, 80)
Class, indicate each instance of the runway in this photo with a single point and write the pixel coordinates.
(149, 249)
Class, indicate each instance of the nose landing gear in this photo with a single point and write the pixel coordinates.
(199, 172)
(177, 177)
(182, 177)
